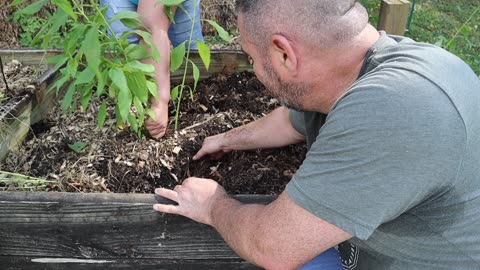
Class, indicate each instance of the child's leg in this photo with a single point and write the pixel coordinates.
(180, 30)
(115, 6)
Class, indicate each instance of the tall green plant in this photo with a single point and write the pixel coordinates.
(181, 55)
(101, 66)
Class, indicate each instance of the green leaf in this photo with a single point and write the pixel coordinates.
(91, 47)
(54, 23)
(147, 37)
(196, 75)
(101, 77)
(67, 7)
(132, 23)
(71, 41)
(86, 76)
(41, 36)
(139, 107)
(221, 32)
(151, 114)
(16, 3)
(58, 60)
(170, 3)
(33, 8)
(132, 120)
(174, 93)
(112, 91)
(129, 18)
(152, 88)
(204, 52)
(136, 52)
(124, 98)
(138, 85)
(139, 66)
(465, 31)
(126, 14)
(86, 91)
(169, 11)
(102, 115)
(67, 99)
(176, 57)
(191, 91)
(72, 67)
(60, 82)
(78, 146)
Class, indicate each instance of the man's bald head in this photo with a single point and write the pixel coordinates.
(318, 23)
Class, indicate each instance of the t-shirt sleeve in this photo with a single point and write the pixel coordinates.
(380, 154)
(297, 120)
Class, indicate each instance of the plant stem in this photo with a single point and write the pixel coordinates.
(4, 78)
(459, 29)
(24, 177)
(182, 86)
(111, 30)
(80, 9)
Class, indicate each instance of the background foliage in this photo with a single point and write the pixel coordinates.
(453, 25)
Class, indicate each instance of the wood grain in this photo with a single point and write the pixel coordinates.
(118, 230)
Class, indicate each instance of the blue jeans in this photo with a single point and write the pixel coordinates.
(178, 31)
(328, 260)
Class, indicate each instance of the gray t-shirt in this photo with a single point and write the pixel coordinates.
(396, 163)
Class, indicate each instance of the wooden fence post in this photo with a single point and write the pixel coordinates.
(393, 16)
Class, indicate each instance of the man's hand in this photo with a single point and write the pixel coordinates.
(195, 197)
(158, 127)
(214, 147)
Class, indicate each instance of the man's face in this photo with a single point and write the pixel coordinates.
(289, 94)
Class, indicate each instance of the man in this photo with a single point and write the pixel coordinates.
(163, 33)
(393, 132)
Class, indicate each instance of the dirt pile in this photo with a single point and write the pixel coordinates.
(116, 161)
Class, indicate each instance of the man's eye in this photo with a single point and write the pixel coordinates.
(250, 60)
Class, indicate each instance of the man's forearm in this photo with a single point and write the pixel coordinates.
(273, 130)
(236, 224)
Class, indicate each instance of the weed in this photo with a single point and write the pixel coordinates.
(16, 181)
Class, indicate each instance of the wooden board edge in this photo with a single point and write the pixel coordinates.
(35, 57)
(73, 198)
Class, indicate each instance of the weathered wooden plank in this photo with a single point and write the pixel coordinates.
(32, 263)
(45, 96)
(222, 61)
(28, 56)
(393, 16)
(21, 112)
(14, 124)
(119, 227)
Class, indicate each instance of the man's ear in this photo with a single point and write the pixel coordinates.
(284, 58)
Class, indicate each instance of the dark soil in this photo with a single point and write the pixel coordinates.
(117, 161)
(20, 80)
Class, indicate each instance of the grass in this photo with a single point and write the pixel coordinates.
(453, 25)
(18, 182)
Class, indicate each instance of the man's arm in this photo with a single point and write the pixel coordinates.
(273, 130)
(154, 17)
(281, 235)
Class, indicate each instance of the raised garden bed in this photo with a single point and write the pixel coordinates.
(116, 231)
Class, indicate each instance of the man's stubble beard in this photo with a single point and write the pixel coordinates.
(288, 94)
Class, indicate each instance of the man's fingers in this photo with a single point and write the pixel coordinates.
(167, 193)
(199, 155)
(156, 131)
(167, 208)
